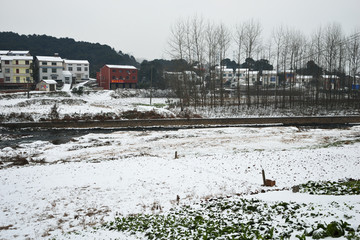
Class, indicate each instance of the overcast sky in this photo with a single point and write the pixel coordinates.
(142, 27)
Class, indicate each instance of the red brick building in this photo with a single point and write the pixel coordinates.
(117, 76)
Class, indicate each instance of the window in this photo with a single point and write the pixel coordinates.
(85, 69)
(27, 79)
(113, 70)
(7, 70)
(128, 72)
(45, 77)
(113, 77)
(53, 70)
(44, 70)
(134, 78)
(17, 62)
(127, 77)
(7, 79)
(44, 63)
(17, 71)
(70, 68)
(53, 63)
(121, 78)
(7, 62)
(133, 71)
(120, 71)
(86, 76)
(229, 75)
(78, 69)
(27, 62)
(18, 79)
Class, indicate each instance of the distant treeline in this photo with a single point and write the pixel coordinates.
(42, 45)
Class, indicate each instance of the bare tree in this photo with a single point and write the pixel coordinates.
(252, 34)
(278, 39)
(353, 47)
(176, 41)
(239, 40)
(224, 40)
(188, 41)
(211, 49)
(317, 55)
(198, 39)
(332, 41)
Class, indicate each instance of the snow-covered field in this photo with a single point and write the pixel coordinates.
(73, 186)
(96, 177)
(92, 103)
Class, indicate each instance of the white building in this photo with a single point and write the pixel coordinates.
(78, 68)
(50, 68)
(182, 76)
(303, 80)
(269, 78)
(227, 73)
(67, 77)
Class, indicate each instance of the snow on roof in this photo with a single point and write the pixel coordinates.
(67, 73)
(304, 76)
(329, 76)
(10, 52)
(269, 72)
(49, 59)
(50, 81)
(19, 52)
(16, 58)
(120, 66)
(68, 61)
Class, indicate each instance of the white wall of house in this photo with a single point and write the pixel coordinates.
(50, 68)
(78, 68)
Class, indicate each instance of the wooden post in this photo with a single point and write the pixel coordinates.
(263, 175)
(176, 156)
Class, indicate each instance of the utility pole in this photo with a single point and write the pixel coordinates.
(150, 85)
(28, 88)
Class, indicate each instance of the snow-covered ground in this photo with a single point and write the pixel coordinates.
(91, 103)
(98, 176)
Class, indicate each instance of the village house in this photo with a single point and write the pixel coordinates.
(46, 85)
(184, 76)
(78, 68)
(117, 76)
(356, 83)
(227, 74)
(269, 78)
(289, 76)
(50, 68)
(304, 80)
(330, 82)
(16, 71)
